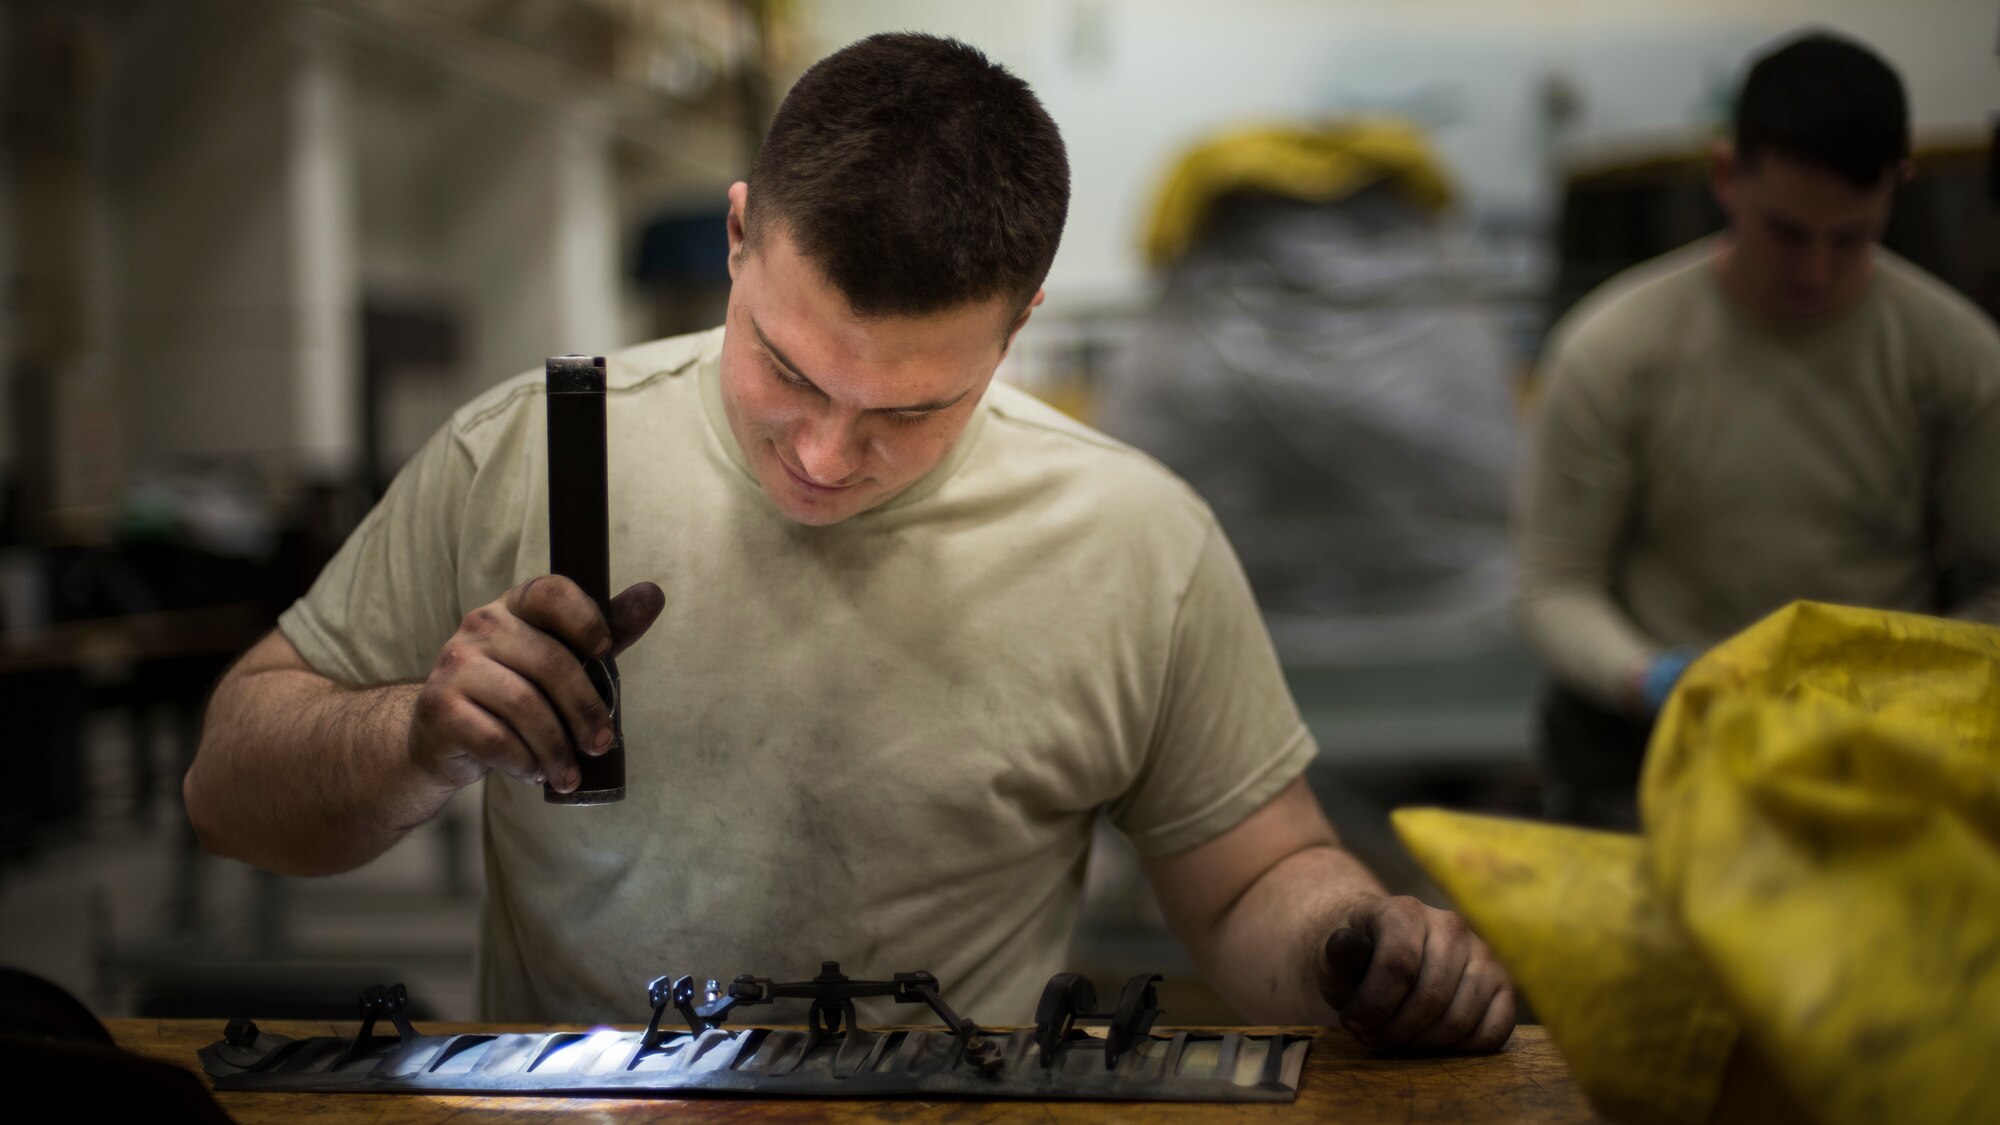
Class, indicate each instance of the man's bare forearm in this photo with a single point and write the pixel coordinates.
(299, 775)
(1263, 954)
(1259, 905)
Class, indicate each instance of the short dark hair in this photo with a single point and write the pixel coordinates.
(917, 174)
(1828, 101)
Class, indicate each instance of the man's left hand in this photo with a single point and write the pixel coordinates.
(1402, 974)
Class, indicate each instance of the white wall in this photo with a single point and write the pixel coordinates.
(1133, 81)
(326, 404)
(200, 209)
(263, 170)
(230, 219)
(506, 212)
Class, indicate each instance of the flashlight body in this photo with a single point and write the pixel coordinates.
(580, 545)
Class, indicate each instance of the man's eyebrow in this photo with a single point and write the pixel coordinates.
(792, 369)
(930, 407)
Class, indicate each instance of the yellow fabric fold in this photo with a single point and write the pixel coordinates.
(1591, 946)
(1819, 872)
(1822, 801)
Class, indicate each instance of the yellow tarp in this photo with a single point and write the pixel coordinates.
(1318, 164)
(1819, 872)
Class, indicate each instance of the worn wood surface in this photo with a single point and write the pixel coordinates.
(1343, 1082)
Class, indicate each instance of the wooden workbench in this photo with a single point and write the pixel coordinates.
(1343, 1082)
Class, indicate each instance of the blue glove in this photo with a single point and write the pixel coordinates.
(1662, 674)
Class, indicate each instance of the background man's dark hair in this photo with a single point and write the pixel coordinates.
(1825, 101)
(917, 174)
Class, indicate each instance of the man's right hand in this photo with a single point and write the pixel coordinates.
(509, 692)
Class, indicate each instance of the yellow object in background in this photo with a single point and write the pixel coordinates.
(1819, 872)
(1313, 163)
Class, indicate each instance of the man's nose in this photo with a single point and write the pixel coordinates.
(828, 448)
(1816, 265)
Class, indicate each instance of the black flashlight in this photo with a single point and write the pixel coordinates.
(580, 546)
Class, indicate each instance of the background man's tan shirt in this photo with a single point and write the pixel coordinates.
(1695, 468)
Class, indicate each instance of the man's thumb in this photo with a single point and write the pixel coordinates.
(633, 612)
(1348, 952)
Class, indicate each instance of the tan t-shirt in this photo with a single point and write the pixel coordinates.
(1696, 468)
(881, 742)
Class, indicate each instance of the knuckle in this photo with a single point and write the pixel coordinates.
(491, 745)
(547, 594)
(480, 622)
(553, 663)
(1369, 1009)
(1488, 977)
(551, 735)
(1455, 1026)
(557, 746)
(521, 698)
(1400, 962)
(542, 594)
(1436, 996)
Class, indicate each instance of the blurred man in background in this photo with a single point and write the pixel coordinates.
(1783, 411)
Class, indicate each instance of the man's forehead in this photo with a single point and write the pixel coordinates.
(1822, 215)
(1811, 197)
(796, 308)
(877, 365)
(1777, 171)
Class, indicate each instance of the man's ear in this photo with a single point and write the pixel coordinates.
(1723, 168)
(739, 198)
(1021, 320)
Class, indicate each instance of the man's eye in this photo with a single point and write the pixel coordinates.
(908, 419)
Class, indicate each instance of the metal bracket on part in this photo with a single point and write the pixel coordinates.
(1069, 997)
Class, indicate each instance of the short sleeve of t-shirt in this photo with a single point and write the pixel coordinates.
(380, 611)
(1227, 736)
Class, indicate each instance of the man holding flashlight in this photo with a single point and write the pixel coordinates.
(916, 631)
